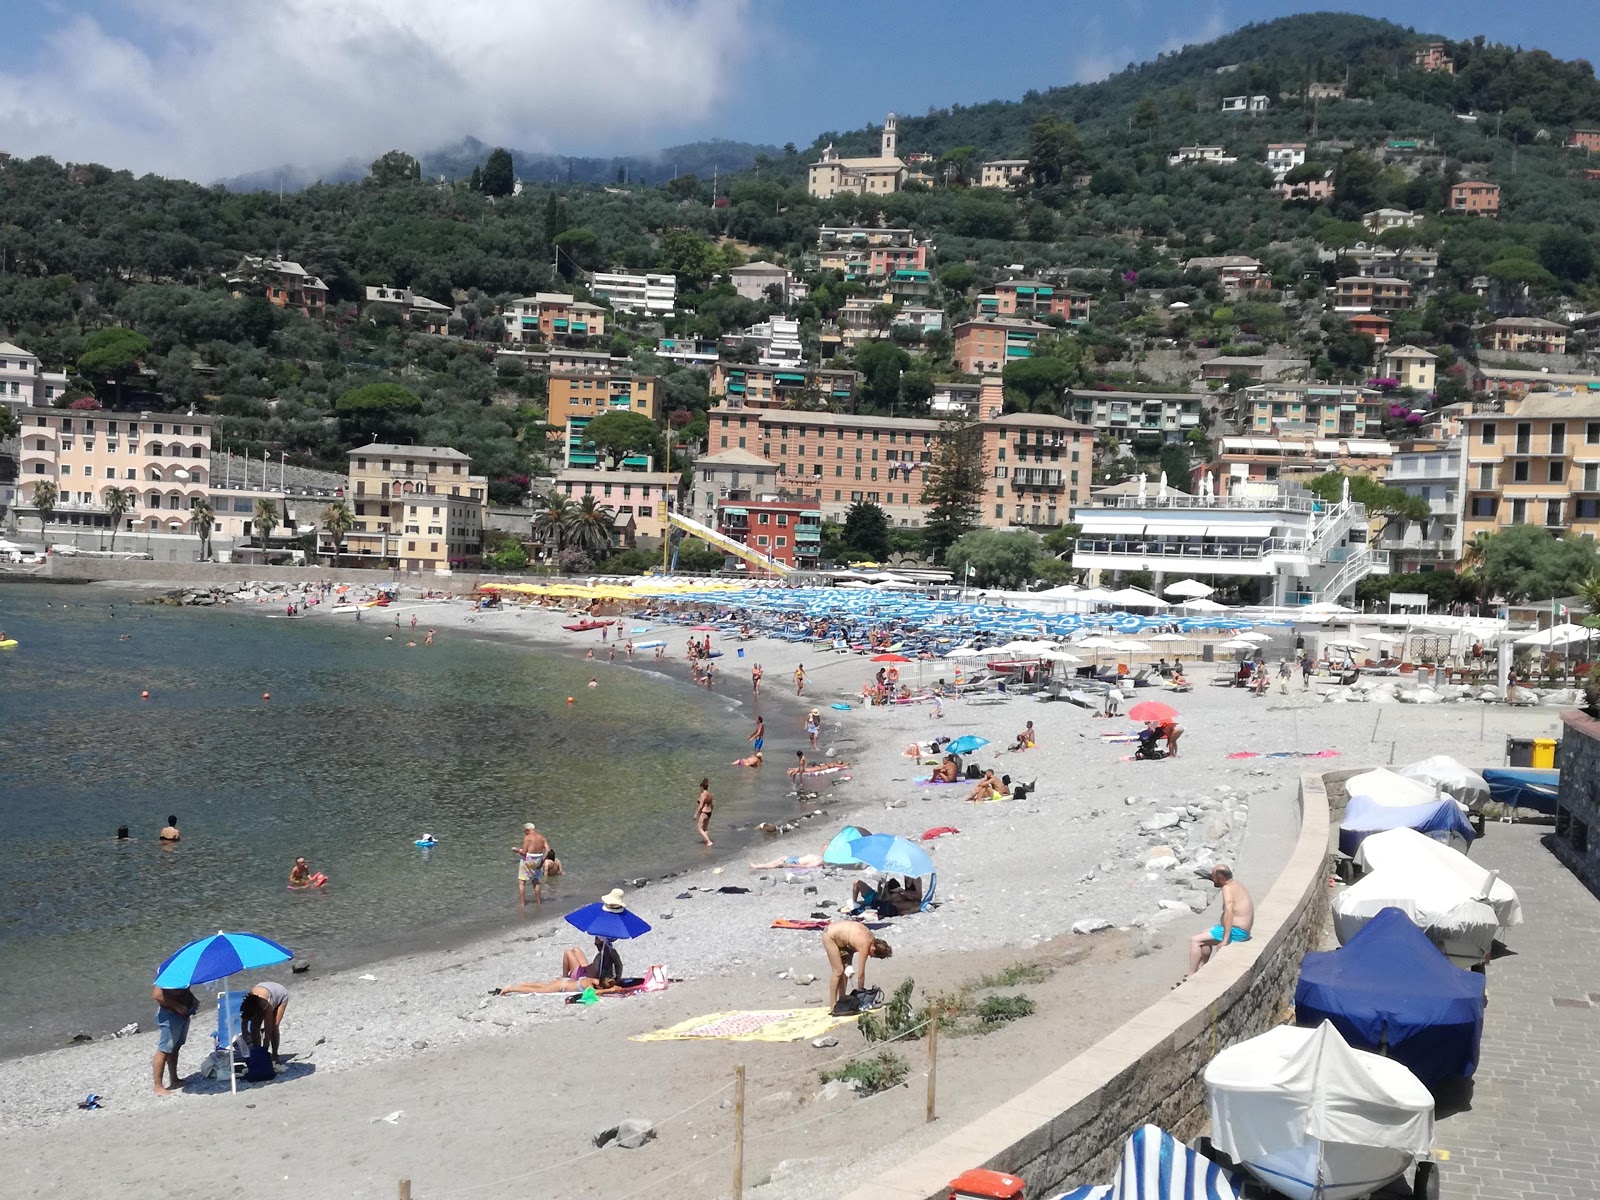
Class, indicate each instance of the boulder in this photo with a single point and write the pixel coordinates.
(1090, 925)
(1160, 820)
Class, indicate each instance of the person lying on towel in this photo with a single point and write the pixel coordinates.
(578, 972)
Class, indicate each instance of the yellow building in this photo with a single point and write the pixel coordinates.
(1413, 366)
(878, 176)
(419, 507)
(588, 394)
(1537, 463)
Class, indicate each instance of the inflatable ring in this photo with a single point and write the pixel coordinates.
(894, 675)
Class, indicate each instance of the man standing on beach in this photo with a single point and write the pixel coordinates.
(1238, 915)
(760, 735)
(174, 1008)
(531, 857)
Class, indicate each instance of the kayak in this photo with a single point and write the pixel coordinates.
(8, 643)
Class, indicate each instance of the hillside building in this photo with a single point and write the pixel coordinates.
(1436, 476)
(1475, 198)
(1359, 294)
(1380, 219)
(883, 175)
(984, 344)
(1322, 410)
(1433, 57)
(643, 497)
(24, 383)
(754, 281)
(1537, 463)
(743, 385)
(1283, 157)
(1584, 139)
(1246, 104)
(653, 294)
(1528, 335)
(1237, 272)
(1003, 173)
(1036, 298)
(547, 316)
(1413, 366)
(428, 315)
(286, 284)
(1216, 155)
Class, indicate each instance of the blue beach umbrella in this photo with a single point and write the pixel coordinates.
(218, 957)
(896, 856)
(966, 744)
(598, 921)
(838, 851)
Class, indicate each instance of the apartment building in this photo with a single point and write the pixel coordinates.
(1325, 91)
(727, 473)
(1283, 157)
(776, 341)
(1584, 139)
(652, 294)
(160, 461)
(428, 315)
(906, 285)
(955, 399)
(1359, 294)
(1433, 57)
(1246, 104)
(1037, 467)
(1528, 335)
(754, 281)
(1256, 368)
(1506, 381)
(788, 532)
(879, 176)
(546, 316)
(1255, 459)
(1374, 326)
(24, 382)
(1123, 414)
(920, 319)
(1314, 191)
(1537, 463)
(1415, 265)
(689, 352)
(864, 253)
(286, 284)
(1237, 272)
(1413, 366)
(418, 507)
(1004, 173)
(989, 343)
(745, 386)
(1035, 298)
(645, 496)
(1475, 198)
(1328, 410)
(1437, 476)
(1382, 219)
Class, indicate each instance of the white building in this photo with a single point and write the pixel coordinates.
(1003, 173)
(652, 294)
(1380, 219)
(1439, 477)
(23, 380)
(1245, 104)
(1201, 154)
(1283, 157)
(777, 342)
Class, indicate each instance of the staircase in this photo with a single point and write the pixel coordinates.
(727, 544)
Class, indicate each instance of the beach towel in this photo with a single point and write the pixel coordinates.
(776, 1025)
(815, 923)
(655, 980)
(939, 782)
(938, 832)
(1119, 739)
(1285, 754)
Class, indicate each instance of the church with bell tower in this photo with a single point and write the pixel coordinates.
(879, 176)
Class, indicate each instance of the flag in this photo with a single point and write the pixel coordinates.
(971, 570)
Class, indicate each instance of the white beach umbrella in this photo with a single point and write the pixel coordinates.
(1097, 643)
(1132, 646)
(1381, 639)
(1236, 644)
(966, 652)
(1255, 635)
(1135, 598)
(1059, 656)
(1556, 635)
(1171, 637)
(1204, 604)
(1187, 587)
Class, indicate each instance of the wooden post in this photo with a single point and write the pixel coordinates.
(933, 1062)
(405, 1189)
(738, 1132)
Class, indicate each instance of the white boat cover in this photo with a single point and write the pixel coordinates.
(1403, 848)
(1156, 1166)
(1391, 790)
(1449, 775)
(1434, 897)
(1291, 1086)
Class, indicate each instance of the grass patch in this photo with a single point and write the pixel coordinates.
(1016, 975)
(996, 1011)
(895, 1019)
(882, 1071)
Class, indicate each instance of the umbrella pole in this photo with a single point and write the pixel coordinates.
(227, 1022)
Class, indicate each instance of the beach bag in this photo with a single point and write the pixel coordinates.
(258, 1066)
(973, 772)
(867, 999)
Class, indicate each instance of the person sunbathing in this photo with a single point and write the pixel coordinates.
(918, 749)
(1026, 739)
(987, 788)
(889, 897)
(753, 760)
(946, 772)
(578, 972)
(793, 860)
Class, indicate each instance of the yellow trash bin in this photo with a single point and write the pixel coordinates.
(1544, 753)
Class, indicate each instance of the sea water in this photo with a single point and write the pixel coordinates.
(364, 746)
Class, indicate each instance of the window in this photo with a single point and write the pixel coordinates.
(1524, 436)
(1552, 512)
(783, 541)
(1487, 436)
(1484, 506)
(1591, 433)
(1558, 437)
(111, 472)
(1519, 472)
(761, 539)
(1486, 477)
(67, 470)
(999, 511)
(1558, 472)
(1519, 512)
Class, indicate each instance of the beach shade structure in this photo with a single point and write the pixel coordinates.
(1448, 775)
(1170, 637)
(1313, 1119)
(966, 744)
(838, 852)
(1156, 1166)
(1134, 598)
(1556, 635)
(890, 658)
(615, 924)
(217, 957)
(1382, 800)
(896, 856)
(1188, 589)
(1390, 992)
(1449, 911)
(1256, 636)
(1152, 710)
(966, 652)
(1401, 848)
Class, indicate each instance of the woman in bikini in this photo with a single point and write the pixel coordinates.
(702, 812)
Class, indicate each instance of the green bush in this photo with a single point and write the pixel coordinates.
(882, 1071)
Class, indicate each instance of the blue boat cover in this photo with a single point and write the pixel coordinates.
(1525, 787)
(1438, 820)
(1156, 1166)
(1390, 990)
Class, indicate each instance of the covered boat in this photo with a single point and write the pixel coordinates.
(1313, 1119)
(1448, 775)
(1437, 901)
(1400, 848)
(1156, 1166)
(1524, 787)
(1382, 800)
(1391, 992)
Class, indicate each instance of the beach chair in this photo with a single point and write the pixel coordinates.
(229, 1027)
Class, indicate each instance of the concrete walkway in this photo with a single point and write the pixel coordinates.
(1533, 1128)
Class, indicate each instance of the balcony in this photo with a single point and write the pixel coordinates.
(1036, 477)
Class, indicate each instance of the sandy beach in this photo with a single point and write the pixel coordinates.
(483, 1094)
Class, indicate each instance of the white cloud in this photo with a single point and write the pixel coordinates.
(213, 88)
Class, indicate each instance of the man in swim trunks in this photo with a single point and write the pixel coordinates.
(1238, 915)
(986, 788)
(850, 942)
(759, 737)
(531, 857)
(175, 1007)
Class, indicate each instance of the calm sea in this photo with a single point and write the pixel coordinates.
(364, 746)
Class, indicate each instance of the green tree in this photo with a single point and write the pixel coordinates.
(502, 551)
(1375, 496)
(338, 520)
(957, 163)
(866, 531)
(45, 497)
(377, 412)
(1527, 562)
(117, 501)
(1567, 255)
(9, 425)
(112, 354)
(1175, 463)
(499, 176)
(958, 277)
(553, 521)
(1148, 115)
(394, 166)
(266, 519)
(1052, 149)
(619, 434)
(881, 364)
(204, 519)
(1040, 379)
(687, 254)
(953, 486)
(997, 559)
(589, 527)
(576, 250)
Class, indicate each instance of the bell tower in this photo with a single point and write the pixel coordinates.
(891, 139)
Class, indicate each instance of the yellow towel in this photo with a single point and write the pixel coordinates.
(772, 1025)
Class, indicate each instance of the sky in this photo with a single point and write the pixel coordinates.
(208, 89)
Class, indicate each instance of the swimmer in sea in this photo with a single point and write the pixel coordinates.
(594, 683)
(428, 641)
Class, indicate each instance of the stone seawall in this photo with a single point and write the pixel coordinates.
(66, 569)
(1577, 835)
(1068, 1128)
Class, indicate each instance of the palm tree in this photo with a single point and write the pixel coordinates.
(554, 520)
(338, 520)
(266, 519)
(205, 520)
(118, 502)
(590, 527)
(45, 496)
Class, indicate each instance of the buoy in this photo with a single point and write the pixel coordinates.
(144, 695)
(266, 695)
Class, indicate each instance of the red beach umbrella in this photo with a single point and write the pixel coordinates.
(890, 658)
(1152, 710)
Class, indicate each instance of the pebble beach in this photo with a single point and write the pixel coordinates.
(410, 1068)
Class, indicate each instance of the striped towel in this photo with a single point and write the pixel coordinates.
(1156, 1166)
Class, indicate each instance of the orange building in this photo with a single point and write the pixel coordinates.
(286, 284)
(989, 343)
(1475, 198)
(1584, 139)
